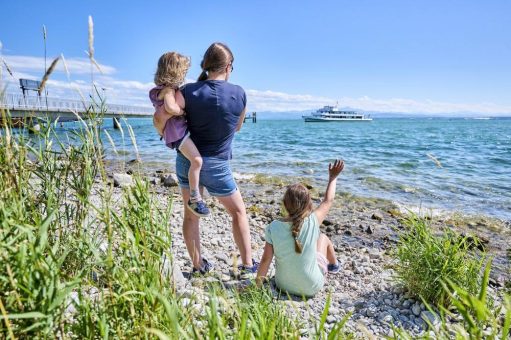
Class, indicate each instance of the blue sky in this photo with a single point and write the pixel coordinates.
(392, 56)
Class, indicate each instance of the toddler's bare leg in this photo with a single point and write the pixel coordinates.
(189, 150)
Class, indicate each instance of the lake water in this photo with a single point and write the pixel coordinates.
(387, 158)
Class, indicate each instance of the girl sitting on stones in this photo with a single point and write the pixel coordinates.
(303, 255)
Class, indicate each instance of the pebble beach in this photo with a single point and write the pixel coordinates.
(364, 232)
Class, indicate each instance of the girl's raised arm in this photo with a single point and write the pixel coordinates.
(333, 171)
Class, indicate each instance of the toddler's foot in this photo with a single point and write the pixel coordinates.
(334, 268)
(198, 208)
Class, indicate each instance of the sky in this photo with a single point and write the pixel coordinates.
(446, 56)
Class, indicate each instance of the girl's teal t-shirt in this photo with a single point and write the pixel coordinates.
(296, 273)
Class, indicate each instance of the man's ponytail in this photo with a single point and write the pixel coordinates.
(203, 76)
(217, 57)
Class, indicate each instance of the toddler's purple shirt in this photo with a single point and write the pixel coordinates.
(175, 127)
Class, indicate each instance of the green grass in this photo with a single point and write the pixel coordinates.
(82, 260)
(477, 318)
(77, 267)
(425, 261)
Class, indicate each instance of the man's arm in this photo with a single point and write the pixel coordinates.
(242, 119)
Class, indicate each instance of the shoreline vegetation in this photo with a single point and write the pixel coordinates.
(92, 251)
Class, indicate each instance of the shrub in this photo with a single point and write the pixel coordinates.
(477, 319)
(426, 261)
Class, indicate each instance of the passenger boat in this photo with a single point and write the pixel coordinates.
(333, 114)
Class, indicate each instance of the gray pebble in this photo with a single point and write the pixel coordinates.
(331, 319)
(416, 309)
(406, 304)
(371, 311)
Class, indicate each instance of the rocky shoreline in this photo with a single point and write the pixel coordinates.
(364, 233)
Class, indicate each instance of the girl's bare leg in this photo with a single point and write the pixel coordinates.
(189, 150)
(325, 247)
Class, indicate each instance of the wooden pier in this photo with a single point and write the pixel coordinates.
(252, 116)
(29, 110)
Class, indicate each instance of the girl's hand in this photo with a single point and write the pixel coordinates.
(166, 90)
(335, 169)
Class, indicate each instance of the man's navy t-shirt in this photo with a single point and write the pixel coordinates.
(213, 110)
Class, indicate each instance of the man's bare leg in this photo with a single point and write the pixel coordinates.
(240, 229)
(191, 232)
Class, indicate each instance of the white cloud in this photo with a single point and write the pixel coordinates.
(427, 106)
(76, 66)
(118, 91)
(281, 102)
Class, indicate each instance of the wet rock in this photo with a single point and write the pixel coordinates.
(122, 180)
(479, 242)
(170, 181)
(369, 230)
(377, 217)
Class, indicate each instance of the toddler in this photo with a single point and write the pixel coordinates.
(169, 120)
(303, 256)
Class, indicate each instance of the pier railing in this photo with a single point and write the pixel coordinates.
(18, 102)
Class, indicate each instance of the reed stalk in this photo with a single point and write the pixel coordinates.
(47, 74)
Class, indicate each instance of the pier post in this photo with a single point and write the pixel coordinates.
(33, 125)
(254, 117)
(117, 124)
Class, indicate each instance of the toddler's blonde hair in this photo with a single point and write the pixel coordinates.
(172, 69)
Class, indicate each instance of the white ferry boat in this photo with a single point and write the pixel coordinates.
(333, 114)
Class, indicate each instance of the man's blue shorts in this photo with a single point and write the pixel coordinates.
(215, 175)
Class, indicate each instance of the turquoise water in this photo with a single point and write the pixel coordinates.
(387, 158)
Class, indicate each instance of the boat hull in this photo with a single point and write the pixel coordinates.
(309, 119)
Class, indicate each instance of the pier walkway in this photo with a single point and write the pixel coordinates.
(28, 110)
(21, 106)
